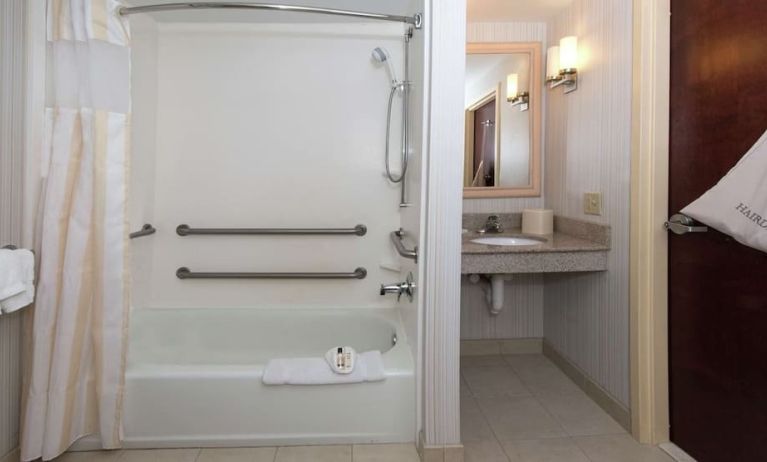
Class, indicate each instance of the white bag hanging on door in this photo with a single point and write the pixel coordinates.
(737, 205)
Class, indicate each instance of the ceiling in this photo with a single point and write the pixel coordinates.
(513, 10)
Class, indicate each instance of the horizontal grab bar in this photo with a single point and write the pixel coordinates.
(186, 273)
(396, 238)
(186, 230)
(145, 230)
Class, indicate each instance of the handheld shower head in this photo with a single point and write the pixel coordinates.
(381, 55)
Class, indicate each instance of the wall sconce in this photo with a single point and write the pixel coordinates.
(517, 99)
(562, 64)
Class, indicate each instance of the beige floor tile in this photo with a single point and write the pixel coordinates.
(159, 455)
(545, 450)
(90, 456)
(619, 448)
(519, 418)
(314, 454)
(541, 375)
(485, 451)
(482, 361)
(237, 455)
(494, 381)
(474, 426)
(579, 415)
(384, 453)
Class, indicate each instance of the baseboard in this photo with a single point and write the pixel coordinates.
(612, 406)
(676, 452)
(449, 453)
(514, 346)
(13, 456)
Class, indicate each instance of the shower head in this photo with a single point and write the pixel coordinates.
(381, 55)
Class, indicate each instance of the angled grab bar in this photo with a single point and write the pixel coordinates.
(186, 230)
(396, 238)
(186, 273)
(145, 230)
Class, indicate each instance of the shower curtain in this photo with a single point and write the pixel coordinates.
(76, 346)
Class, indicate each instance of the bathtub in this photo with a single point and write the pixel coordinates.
(194, 379)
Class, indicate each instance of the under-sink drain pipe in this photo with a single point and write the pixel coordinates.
(493, 287)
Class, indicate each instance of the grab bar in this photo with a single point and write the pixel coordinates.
(396, 238)
(185, 230)
(186, 273)
(145, 230)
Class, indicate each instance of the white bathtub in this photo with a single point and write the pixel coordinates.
(194, 379)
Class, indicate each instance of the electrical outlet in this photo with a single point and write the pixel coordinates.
(592, 203)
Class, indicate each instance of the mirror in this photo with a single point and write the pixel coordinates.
(503, 120)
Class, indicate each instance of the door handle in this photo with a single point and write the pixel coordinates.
(682, 224)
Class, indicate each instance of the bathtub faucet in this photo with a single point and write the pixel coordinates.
(399, 288)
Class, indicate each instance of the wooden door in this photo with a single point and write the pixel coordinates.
(484, 143)
(717, 287)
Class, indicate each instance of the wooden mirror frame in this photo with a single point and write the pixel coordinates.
(533, 49)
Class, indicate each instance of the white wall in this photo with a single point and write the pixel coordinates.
(506, 32)
(588, 149)
(271, 125)
(522, 316)
(11, 174)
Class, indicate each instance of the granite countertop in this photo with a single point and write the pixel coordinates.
(575, 246)
(557, 242)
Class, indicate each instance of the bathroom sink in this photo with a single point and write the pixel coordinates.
(506, 241)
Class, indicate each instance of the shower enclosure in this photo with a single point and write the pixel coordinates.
(270, 117)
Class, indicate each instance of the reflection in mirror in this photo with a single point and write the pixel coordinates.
(502, 100)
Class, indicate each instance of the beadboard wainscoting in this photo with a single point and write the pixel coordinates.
(588, 136)
(521, 317)
(11, 169)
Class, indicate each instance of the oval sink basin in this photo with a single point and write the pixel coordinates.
(506, 241)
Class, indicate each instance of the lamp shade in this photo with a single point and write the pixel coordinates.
(512, 86)
(568, 52)
(552, 62)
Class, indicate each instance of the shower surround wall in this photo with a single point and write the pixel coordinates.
(267, 125)
(586, 317)
(256, 124)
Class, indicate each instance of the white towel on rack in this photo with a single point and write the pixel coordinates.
(316, 371)
(17, 274)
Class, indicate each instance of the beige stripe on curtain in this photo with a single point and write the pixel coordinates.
(77, 345)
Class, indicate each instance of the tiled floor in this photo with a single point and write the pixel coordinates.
(339, 453)
(522, 408)
(518, 408)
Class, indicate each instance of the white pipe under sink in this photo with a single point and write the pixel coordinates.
(494, 290)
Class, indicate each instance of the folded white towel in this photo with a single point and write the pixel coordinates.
(17, 274)
(316, 371)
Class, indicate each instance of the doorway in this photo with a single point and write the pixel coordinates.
(482, 141)
(698, 315)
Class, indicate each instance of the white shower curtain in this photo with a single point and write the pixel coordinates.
(75, 356)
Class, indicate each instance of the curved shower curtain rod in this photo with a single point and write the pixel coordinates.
(416, 20)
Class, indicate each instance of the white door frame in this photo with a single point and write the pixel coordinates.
(649, 209)
(441, 240)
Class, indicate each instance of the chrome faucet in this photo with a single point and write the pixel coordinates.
(492, 225)
(399, 288)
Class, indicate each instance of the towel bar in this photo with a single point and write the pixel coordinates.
(186, 230)
(186, 273)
